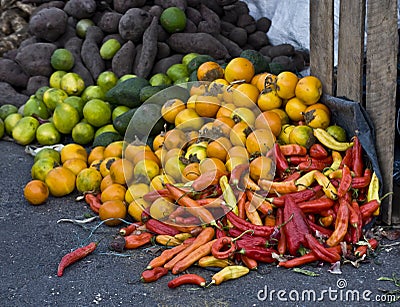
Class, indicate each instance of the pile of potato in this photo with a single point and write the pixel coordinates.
(219, 28)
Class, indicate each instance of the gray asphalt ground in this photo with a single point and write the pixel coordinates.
(32, 243)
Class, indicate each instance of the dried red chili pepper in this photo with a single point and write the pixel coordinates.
(249, 262)
(260, 254)
(307, 258)
(362, 249)
(278, 187)
(223, 248)
(74, 256)
(358, 164)
(153, 274)
(155, 194)
(177, 212)
(316, 205)
(187, 279)
(127, 230)
(243, 225)
(320, 251)
(93, 201)
(136, 240)
(299, 196)
(348, 158)
(281, 247)
(314, 164)
(363, 181)
(296, 226)
(345, 182)
(369, 208)
(248, 239)
(241, 201)
(293, 150)
(189, 220)
(341, 225)
(358, 231)
(282, 165)
(158, 227)
(318, 151)
(322, 230)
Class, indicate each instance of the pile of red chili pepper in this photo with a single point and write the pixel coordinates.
(319, 199)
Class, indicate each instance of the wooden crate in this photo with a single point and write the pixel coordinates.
(374, 63)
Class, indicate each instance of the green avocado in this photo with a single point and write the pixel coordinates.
(127, 93)
(121, 122)
(260, 63)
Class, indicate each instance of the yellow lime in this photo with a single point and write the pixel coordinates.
(97, 112)
(48, 153)
(40, 91)
(177, 71)
(65, 117)
(10, 121)
(93, 92)
(55, 78)
(72, 84)
(160, 79)
(173, 19)
(7, 109)
(37, 107)
(41, 167)
(107, 80)
(47, 134)
(1, 128)
(62, 59)
(126, 77)
(188, 57)
(118, 111)
(54, 96)
(83, 133)
(77, 103)
(88, 179)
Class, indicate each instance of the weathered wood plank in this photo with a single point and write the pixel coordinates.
(351, 50)
(322, 42)
(381, 75)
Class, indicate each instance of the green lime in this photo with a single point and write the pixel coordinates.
(24, 131)
(177, 71)
(55, 78)
(188, 57)
(105, 128)
(181, 80)
(173, 19)
(10, 121)
(109, 48)
(107, 80)
(1, 128)
(77, 103)
(160, 79)
(126, 77)
(65, 117)
(83, 133)
(93, 92)
(82, 26)
(41, 167)
(72, 84)
(118, 111)
(7, 109)
(53, 96)
(62, 59)
(337, 132)
(48, 153)
(47, 134)
(37, 107)
(97, 112)
(40, 91)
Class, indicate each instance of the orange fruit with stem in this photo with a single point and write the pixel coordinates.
(36, 192)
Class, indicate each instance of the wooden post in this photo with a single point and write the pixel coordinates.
(351, 50)
(382, 44)
(322, 42)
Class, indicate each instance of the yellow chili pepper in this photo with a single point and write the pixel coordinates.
(229, 272)
(167, 240)
(228, 194)
(327, 186)
(211, 261)
(337, 160)
(305, 181)
(373, 191)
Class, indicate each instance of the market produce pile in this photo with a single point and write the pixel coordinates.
(185, 138)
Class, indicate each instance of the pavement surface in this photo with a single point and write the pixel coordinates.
(32, 244)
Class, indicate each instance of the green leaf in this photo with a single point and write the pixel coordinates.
(305, 272)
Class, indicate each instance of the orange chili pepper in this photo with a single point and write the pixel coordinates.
(341, 225)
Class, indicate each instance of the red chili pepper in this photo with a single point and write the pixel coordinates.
(307, 258)
(345, 182)
(237, 173)
(299, 196)
(362, 249)
(223, 248)
(296, 226)
(322, 230)
(348, 158)
(318, 151)
(278, 187)
(320, 251)
(127, 230)
(241, 201)
(296, 160)
(358, 164)
(358, 231)
(158, 227)
(177, 212)
(316, 205)
(293, 176)
(187, 279)
(281, 247)
(363, 181)
(368, 208)
(282, 164)
(74, 256)
(219, 233)
(353, 216)
(93, 202)
(314, 164)
(248, 239)
(243, 225)
(153, 274)
(260, 254)
(341, 225)
(293, 150)
(136, 240)
(249, 262)
(190, 220)
(207, 179)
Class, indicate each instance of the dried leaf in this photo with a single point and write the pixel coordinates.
(305, 272)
